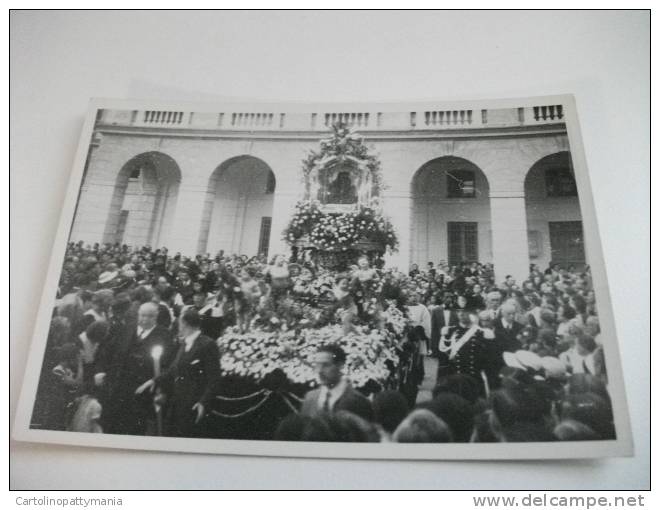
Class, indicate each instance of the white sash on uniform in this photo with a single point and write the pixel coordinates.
(456, 345)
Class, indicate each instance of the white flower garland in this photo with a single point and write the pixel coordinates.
(257, 353)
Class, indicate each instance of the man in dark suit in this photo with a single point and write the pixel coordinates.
(163, 295)
(335, 393)
(191, 381)
(184, 286)
(442, 316)
(128, 410)
(507, 329)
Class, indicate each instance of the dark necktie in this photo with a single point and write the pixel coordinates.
(326, 404)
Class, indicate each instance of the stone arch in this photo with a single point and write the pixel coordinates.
(238, 207)
(552, 207)
(143, 200)
(450, 217)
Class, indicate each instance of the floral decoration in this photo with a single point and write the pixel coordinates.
(370, 353)
(329, 231)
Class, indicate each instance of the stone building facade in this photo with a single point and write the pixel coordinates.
(489, 185)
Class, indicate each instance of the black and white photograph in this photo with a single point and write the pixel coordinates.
(417, 280)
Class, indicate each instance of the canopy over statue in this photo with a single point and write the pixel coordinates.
(341, 216)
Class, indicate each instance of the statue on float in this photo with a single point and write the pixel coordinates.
(330, 293)
(340, 216)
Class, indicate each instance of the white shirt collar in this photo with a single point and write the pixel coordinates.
(144, 333)
(190, 339)
(97, 316)
(335, 393)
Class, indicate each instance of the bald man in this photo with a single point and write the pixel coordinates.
(129, 411)
(507, 329)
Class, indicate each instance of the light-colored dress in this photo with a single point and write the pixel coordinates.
(420, 316)
(87, 415)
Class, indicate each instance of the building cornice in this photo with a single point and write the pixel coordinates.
(368, 135)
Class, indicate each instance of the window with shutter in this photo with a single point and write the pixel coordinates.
(462, 242)
(567, 243)
(264, 234)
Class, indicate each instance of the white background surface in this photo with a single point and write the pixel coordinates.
(60, 59)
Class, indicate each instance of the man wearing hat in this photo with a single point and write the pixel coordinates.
(469, 349)
(108, 278)
(117, 324)
(184, 287)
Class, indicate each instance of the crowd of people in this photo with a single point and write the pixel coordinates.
(132, 348)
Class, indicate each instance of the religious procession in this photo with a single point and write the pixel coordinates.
(328, 342)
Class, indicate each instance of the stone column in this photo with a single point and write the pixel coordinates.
(187, 218)
(89, 223)
(103, 189)
(99, 203)
(284, 201)
(509, 228)
(140, 218)
(397, 206)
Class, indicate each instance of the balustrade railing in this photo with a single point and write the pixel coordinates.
(422, 120)
(447, 118)
(351, 119)
(252, 119)
(551, 112)
(162, 117)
